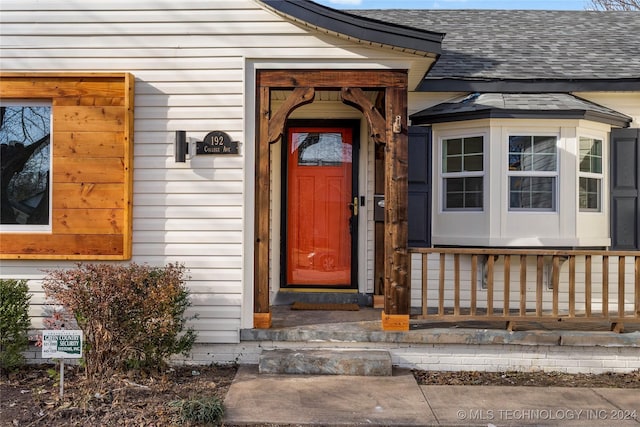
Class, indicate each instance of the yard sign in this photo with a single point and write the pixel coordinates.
(59, 344)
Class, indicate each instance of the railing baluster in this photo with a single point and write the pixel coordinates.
(523, 285)
(556, 283)
(507, 285)
(539, 274)
(621, 274)
(441, 286)
(425, 285)
(587, 285)
(474, 283)
(456, 284)
(605, 286)
(490, 262)
(409, 275)
(572, 286)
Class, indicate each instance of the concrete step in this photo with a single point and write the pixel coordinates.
(325, 362)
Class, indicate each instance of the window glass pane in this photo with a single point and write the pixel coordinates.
(321, 149)
(589, 194)
(454, 200)
(532, 193)
(473, 184)
(473, 145)
(454, 185)
(544, 144)
(518, 145)
(473, 192)
(462, 155)
(25, 141)
(453, 164)
(532, 153)
(544, 162)
(453, 147)
(590, 155)
(464, 193)
(473, 200)
(473, 163)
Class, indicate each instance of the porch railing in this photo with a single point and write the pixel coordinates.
(513, 285)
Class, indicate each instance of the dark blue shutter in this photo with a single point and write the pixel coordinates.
(625, 189)
(419, 186)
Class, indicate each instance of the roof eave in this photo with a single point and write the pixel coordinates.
(397, 37)
(453, 84)
(421, 118)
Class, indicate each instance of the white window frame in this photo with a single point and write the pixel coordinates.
(591, 175)
(534, 174)
(34, 228)
(463, 174)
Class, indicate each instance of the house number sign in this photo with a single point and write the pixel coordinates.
(217, 142)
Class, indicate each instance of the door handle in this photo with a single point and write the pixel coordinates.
(354, 206)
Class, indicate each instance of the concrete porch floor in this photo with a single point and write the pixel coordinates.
(365, 326)
(566, 346)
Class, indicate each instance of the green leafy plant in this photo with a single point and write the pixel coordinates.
(14, 323)
(204, 410)
(131, 315)
(54, 374)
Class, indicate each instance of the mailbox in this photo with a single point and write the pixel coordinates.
(378, 207)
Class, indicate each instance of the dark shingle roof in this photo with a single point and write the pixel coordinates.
(528, 44)
(395, 35)
(519, 105)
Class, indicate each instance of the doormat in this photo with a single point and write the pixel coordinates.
(324, 306)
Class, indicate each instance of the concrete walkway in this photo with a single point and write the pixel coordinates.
(329, 400)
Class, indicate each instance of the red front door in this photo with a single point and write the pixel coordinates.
(320, 217)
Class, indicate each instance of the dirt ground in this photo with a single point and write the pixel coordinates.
(30, 397)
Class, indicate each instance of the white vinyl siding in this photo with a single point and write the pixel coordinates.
(190, 61)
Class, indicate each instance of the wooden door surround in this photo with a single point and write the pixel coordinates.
(387, 120)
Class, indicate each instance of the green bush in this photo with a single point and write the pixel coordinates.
(204, 410)
(14, 323)
(131, 315)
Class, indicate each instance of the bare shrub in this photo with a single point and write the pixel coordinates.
(131, 315)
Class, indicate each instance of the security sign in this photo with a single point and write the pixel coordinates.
(58, 344)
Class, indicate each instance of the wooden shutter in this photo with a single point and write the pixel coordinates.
(419, 186)
(625, 189)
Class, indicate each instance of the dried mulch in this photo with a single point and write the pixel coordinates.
(535, 379)
(30, 397)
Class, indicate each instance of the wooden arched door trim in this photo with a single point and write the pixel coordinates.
(388, 127)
